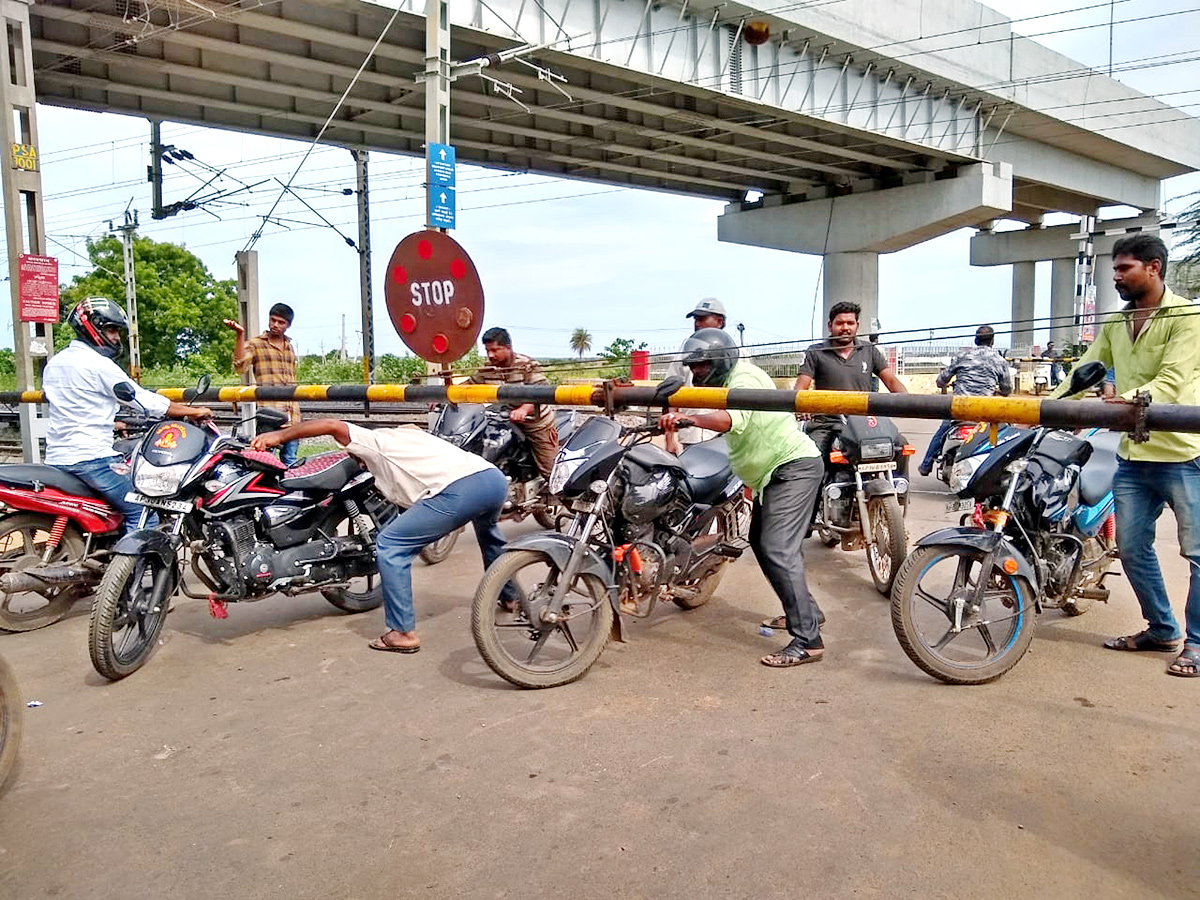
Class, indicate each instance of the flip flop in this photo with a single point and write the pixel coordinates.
(1141, 642)
(381, 643)
(779, 623)
(1190, 657)
(792, 655)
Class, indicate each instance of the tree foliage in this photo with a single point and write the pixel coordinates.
(581, 341)
(180, 304)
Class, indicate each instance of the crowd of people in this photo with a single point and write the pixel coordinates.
(1150, 347)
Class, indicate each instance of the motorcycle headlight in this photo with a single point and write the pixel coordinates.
(158, 481)
(880, 448)
(564, 467)
(962, 472)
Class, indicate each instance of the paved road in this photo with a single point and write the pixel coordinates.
(273, 755)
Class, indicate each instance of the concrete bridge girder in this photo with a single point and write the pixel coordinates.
(851, 231)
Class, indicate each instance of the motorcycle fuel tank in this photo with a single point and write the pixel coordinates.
(173, 442)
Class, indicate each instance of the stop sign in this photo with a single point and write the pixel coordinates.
(434, 296)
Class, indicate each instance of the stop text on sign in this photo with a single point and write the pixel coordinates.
(432, 293)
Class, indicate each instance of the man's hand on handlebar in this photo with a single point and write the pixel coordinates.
(671, 422)
(266, 441)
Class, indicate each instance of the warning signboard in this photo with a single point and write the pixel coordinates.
(38, 287)
(434, 296)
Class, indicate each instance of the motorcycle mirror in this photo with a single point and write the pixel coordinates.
(124, 392)
(1086, 376)
(202, 384)
(667, 387)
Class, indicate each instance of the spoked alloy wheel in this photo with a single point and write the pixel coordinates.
(23, 541)
(364, 592)
(11, 711)
(545, 655)
(128, 613)
(935, 587)
(886, 542)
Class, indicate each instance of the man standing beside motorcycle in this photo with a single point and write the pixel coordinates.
(708, 313)
(782, 467)
(977, 372)
(79, 383)
(441, 489)
(1153, 344)
(271, 358)
(506, 367)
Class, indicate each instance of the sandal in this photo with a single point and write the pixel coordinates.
(792, 655)
(382, 643)
(1187, 664)
(779, 623)
(1141, 642)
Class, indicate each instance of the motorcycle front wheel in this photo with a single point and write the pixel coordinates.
(432, 554)
(11, 711)
(886, 541)
(989, 641)
(541, 655)
(23, 543)
(128, 613)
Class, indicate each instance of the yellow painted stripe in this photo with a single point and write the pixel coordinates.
(472, 393)
(574, 394)
(1013, 410)
(392, 392)
(850, 403)
(700, 398)
(312, 392)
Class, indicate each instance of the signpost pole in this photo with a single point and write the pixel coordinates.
(364, 267)
(437, 95)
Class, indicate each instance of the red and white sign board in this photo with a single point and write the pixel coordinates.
(38, 287)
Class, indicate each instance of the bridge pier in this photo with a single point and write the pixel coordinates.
(850, 230)
(1024, 289)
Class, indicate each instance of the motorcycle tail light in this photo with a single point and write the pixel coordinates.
(837, 456)
(908, 450)
(965, 432)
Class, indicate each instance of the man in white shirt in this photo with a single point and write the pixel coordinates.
(79, 384)
(441, 487)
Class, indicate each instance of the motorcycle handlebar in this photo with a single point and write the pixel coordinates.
(655, 428)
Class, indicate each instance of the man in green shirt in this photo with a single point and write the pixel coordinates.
(782, 467)
(1153, 344)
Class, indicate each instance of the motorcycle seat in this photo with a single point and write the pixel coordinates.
(706, 468)
(30, 476)
(326, 472)
(1096, 479)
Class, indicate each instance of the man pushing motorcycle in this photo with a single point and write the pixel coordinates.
(79, 384)
(441, 489)
(782, 467)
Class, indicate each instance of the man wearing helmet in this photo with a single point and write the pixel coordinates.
(782, 467)
(78, 384)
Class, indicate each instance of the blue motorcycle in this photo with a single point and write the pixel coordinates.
(1041, 536)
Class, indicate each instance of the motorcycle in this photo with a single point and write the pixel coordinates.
(1042, 537)
(488, 432)
(647, 527)
(968, 440)
(251, 527)
(11, 712)
(1041, 377)
(860, 500)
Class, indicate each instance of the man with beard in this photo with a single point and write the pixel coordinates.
(1153, 345)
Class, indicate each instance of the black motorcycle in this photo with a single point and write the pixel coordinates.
(860, 503)
(1041, 536)
(647, 527)
(252, 528)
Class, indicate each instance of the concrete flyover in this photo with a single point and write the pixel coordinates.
(866, 127)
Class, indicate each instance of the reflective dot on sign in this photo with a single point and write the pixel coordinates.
(440, 343)
(408, 323)
(458, 269)
(399, 275)
(424, 249)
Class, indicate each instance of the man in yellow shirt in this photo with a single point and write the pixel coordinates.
(1153, 344)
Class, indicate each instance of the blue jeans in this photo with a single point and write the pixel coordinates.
(935, 447)
(477, 499)
(289, 452)
(1141, 490)
(99, 475)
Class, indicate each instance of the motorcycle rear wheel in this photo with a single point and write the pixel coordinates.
(11, 714)
(23, 538)
(886, 541)
(704, 590)
(367, 593)
(922, 616)
(543, 657)
(432, 554)
(131, 605)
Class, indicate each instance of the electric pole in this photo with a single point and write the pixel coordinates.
(128, 230)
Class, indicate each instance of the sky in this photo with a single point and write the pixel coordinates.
(554, 255)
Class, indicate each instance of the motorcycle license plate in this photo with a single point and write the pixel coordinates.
(179, 506)
(960, 505)
(876, 467)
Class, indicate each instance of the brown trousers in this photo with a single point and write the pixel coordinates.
(543, 438)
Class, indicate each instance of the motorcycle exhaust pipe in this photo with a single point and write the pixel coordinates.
(46, 576)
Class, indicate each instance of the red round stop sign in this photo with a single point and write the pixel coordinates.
(434, 296)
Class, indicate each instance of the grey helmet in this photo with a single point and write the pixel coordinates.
(710, 345)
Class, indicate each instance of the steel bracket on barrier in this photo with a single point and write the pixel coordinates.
(1140, 433)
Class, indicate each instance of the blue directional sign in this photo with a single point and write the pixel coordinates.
(441, 185)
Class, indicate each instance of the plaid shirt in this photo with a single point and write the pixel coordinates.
(524, 370)
(271, 364)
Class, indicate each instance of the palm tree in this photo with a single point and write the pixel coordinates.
(581, 341)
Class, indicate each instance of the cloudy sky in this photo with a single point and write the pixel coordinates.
(554, 255)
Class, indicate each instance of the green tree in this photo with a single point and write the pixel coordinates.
(617, 356)
(180, 304)
(581, 341)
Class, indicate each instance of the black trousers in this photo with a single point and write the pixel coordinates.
(777, 529)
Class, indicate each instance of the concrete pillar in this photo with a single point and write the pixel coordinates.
(1107, 298)
(1062, 301)
(853, 277)
(1024, 280)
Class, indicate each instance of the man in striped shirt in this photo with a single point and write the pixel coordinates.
(272, 360)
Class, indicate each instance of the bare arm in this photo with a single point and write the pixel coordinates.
(241, 356)
(803, 382)
(894, 384)
(334, 428)
(716, 420)
(183, 411)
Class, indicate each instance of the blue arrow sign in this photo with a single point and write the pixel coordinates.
(441, 165)
(441, 206)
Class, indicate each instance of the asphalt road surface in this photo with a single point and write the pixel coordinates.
(273, 755)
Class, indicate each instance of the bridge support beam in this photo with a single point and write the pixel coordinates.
(851, 230)
(1024, 285)
(1062, 302)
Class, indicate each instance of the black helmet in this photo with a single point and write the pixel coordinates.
(710, 345)
(90, 317)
